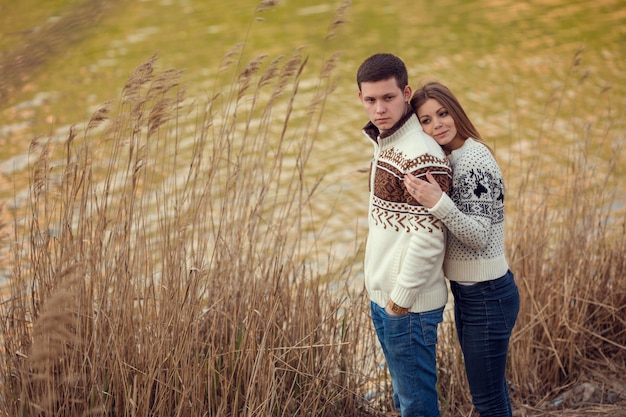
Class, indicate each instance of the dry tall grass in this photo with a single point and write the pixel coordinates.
(568, 248)
(147, 281)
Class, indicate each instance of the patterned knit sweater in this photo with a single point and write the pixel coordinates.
(474, 216)
(406, 244)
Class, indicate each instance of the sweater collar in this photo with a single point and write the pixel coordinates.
(456, 154)
(374, 133)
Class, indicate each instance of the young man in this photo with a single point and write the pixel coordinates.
(406, 245)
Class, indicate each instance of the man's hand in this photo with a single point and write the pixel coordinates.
(394, 309)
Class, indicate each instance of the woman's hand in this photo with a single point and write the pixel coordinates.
(426, 193)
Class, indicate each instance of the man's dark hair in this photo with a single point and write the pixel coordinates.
(380, 67)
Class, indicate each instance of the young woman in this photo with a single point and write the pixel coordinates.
(486, 299)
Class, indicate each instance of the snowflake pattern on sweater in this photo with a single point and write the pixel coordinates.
(474, 216)
(478, 192)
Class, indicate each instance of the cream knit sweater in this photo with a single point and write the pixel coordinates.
(406, 244)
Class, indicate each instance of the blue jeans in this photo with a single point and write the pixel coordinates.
(409, 343)
(485, 314)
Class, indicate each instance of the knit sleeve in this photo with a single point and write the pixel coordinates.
(477, 199)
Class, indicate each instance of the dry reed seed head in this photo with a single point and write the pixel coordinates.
(142, 74)
(301, 64)
(115, 129)
(334, 26)
(71, 134)
(164, 82)
(228, 58)
(245, 76)
(34, 144)
(101, 115)
(252, 67)
(330, 64)
(56, 325)
(68, 143)
(584, 76)
(578, 55)
(42, 168)
(265, 5)
(271, 72)
(137, 109)
(162, 112)
(140, 162)
(69, 173)
(292, 67)
(208, 113)
(339, 19)
(314, 104)
(319, 97)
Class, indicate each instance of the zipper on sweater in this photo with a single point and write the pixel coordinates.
(373, 170)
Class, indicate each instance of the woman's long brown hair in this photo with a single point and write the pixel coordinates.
(443, 95)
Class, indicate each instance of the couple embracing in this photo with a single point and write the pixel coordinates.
(436, 211)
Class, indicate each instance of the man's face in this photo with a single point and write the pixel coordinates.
(384, 102)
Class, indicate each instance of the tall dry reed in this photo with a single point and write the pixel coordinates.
(164, 271)
(568, 249)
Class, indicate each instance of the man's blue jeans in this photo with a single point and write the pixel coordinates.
(409, 343)
(485, 314)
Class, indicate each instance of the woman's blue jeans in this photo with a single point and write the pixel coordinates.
(485, 314)
(409, 343)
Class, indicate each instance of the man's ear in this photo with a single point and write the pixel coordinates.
(360, 96)
(407, 93)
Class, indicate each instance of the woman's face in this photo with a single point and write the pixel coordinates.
(438, 123)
